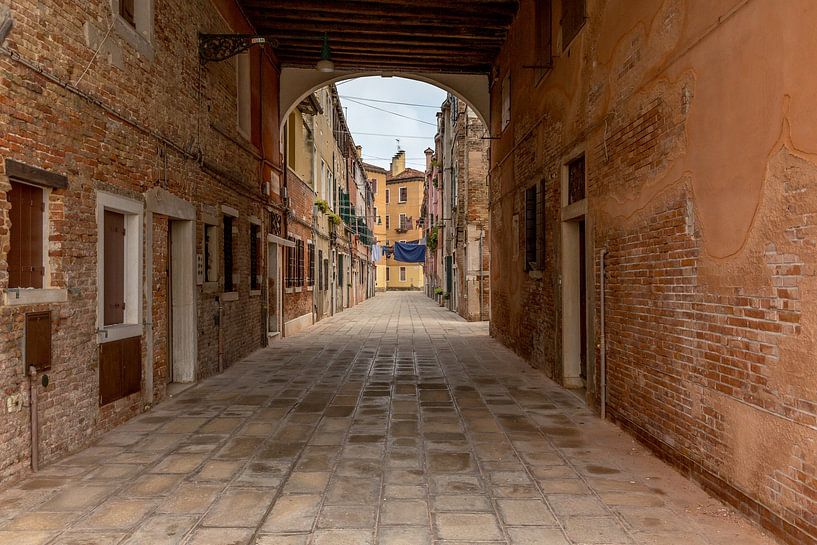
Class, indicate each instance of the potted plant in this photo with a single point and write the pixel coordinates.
(322, 205)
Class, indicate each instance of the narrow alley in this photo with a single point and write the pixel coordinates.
(393, 422)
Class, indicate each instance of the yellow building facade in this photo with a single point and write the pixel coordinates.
(398, 197)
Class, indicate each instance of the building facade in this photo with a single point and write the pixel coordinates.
(399, 205)
(456, 212)
(652, 202)
(138, 188)
(330, 203)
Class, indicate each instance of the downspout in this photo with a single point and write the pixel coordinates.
(220, 334)
(35, 424)
(148, 319)
(603, 343)
(481, 272)
(264, 249)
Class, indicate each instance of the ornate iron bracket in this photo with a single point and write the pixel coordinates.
(220, 47)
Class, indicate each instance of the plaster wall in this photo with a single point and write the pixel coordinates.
(696, 123)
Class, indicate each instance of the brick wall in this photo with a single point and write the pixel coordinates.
(709, 229)
(129, 121)
(298, 300)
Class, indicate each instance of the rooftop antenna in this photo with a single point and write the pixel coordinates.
(398, 145)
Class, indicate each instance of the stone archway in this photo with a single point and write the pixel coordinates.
(298, 83)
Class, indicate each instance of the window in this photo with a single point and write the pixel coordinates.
(374, 185)
(292, 264)
(133, 21)
(126, 11)
(388, 273)
(299, 246)
(26, 264)
(210, 253)
(543, 44)
(243, 95)
(114, 267)
(119, 267)
(402, 195)
(403, 223)
(375, 213)
(402, 274)
(310, 280)
(255, 282)
(506, 101)
(575, 180)
(320, 267)
(573, 17)
(530, 229)
(228, 253)
(387, 196)
(388, 222)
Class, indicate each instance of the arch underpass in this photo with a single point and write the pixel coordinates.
(451, 45)
(298, 83)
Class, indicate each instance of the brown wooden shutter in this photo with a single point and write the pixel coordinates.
(120, 369)
(131, 365)
(300, 262)
(38, 340)
(114, 268)
(25, 257)
(254, 257)
(110, 372)
(228, 253)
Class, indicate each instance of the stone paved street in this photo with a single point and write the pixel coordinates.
(394, 422)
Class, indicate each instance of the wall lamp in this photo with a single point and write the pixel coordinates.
(220, 47)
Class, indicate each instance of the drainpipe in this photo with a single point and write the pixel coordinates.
(35, 425)
(147, 320)
(481, 272)
(603, 343)
(220, 334)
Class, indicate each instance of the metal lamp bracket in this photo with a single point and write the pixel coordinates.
(220, 47)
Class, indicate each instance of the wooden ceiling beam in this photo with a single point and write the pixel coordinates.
(273, 25)
(334, 16)
(363, 54)
(390, 9)
(398, 66)
(292, 37)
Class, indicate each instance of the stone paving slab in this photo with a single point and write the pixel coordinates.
(392, 423)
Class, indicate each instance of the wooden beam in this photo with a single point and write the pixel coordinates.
(389, 8)
(413, 18)
(272, 25)
(293, 37)
(399, 67)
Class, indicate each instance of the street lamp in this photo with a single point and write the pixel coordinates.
(325, 64)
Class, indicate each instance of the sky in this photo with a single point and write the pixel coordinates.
(366, 118)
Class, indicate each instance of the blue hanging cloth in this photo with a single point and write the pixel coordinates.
(406, 252)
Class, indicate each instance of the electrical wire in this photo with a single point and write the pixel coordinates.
(393, 135)
(392, 113)
(98, 49)
(390, 102)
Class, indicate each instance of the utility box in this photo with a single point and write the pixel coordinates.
(38, 341)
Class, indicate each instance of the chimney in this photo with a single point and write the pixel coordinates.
(398, 163)
(359, 151)
(429, 154)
